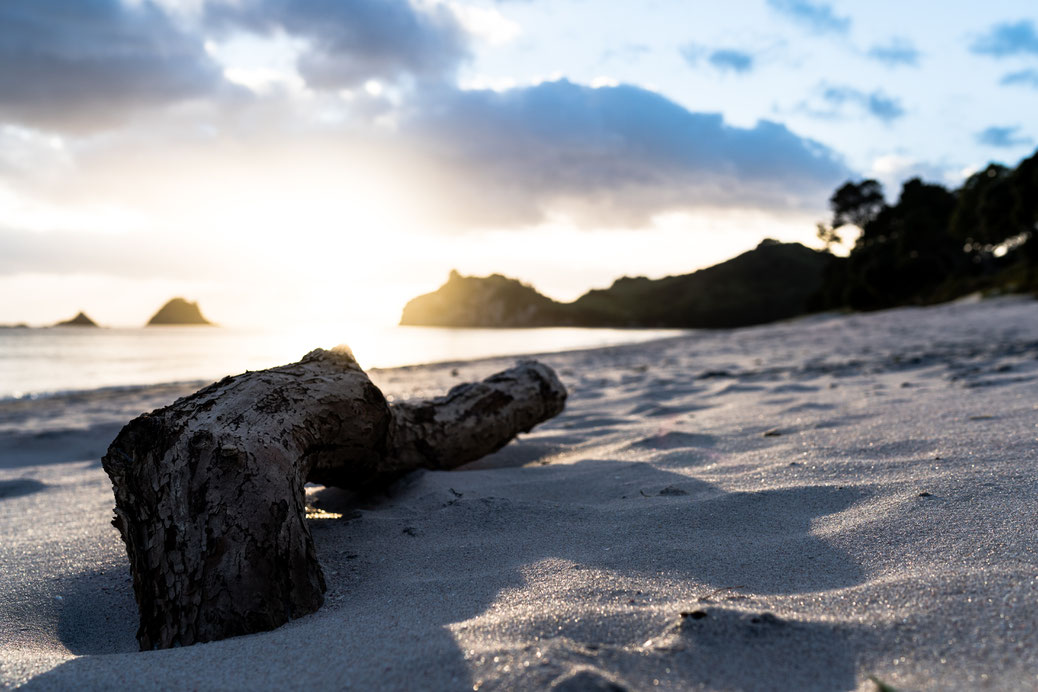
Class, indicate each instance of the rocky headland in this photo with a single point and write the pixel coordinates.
(771, 282)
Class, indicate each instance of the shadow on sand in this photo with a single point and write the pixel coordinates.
(442, 548)
(56, 446)
(17, 487)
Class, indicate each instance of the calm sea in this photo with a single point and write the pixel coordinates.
(40, 361)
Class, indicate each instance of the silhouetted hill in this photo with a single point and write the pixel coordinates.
(80, 320)
(772, 282)
(491, 301)
(178, 311)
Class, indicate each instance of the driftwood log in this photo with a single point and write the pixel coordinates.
(209, 490)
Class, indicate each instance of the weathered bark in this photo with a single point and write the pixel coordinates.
(209, 490)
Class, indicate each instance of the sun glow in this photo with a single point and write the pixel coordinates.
(321, 249)
(259, 234)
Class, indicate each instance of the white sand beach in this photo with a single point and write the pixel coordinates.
(795, 506)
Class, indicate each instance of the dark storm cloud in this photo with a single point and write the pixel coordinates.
(88, 63)
(1021, 78)
(1003, 137)
(348, 43)
(608, 156)
(895, 53)
(1007, 39)
(817, 16)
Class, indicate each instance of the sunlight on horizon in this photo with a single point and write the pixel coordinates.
(309, 250)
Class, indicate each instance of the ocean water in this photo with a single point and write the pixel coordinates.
(61, 359)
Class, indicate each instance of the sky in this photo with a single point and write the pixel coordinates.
(322, 161)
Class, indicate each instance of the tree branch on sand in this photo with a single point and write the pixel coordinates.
(210, 495)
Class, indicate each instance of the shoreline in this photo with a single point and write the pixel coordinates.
(798, 505)
(73, 361)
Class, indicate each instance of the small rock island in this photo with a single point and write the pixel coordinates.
(80, 320)
(178, 312)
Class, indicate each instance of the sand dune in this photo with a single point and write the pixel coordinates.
(794, 506)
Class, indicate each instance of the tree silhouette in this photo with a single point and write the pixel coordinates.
(934, 243)
(857, 204)
(1024, 182)
(828, 235)
(903, 249)
(983, 216)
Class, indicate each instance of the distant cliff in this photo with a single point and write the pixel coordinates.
(80, 320)
(772, 282)
(178, 311)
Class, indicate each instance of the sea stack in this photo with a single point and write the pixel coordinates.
(80, 320)
(178, 311)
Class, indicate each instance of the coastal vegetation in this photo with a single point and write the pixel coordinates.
(934, 244)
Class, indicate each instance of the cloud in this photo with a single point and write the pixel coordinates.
(723, 59)
(454, 160)
(1008, 38)
(883, 107)
(350, 43)
(731, 60)
(875, 103)
(81, 65)
(892, 170)
(1003, 137)
(486, 23)
(1021, 78)
(71, 64)
(137, 255)
(816, 16)
(612, 156)
(896, 52)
